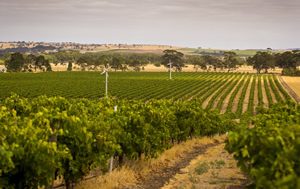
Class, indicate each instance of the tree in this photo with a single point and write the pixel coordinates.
(70, 65)
(42, 62)
(30, 62)
(262, 61)
(288, 59)
(213, 61)
(230, 60)
(116, 63)
(197, 61)
(15, 63)
(175, 57)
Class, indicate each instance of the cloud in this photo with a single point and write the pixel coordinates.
(176, 21)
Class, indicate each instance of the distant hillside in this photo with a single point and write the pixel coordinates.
(37, 47)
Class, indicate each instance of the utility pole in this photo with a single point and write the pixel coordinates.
(170, 68)
(105, 71)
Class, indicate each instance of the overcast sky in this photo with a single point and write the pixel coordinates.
(223, 24)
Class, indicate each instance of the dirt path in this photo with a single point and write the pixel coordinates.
(213, 169)
(255, 101)
(226, 101)
(271, 91)
(157, 178)
(222, 171)
(264, 94)
(237, 97)
(279, 92)
(246, 100)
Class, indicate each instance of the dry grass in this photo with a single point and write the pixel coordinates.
(127, 175)
(294, 83)
(213, 169)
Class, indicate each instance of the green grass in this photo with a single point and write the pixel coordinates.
(202, 168)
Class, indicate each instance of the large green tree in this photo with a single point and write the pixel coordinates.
(262, 61)
(15, 63)
(213, 61)
(288, 59)
(41, 63)
(230, 60)
(175, 57)
(197, 61)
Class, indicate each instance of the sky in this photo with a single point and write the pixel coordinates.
(224, 24)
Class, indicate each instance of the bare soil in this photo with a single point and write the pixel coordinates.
(211, 170)
(271, 91)
(255, 101)
(264, 94)
(182, 174)
(158, 177)
(280, 94)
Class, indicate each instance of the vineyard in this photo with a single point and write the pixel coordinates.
(226, 92)
(42, 139)
(62, 135)
(269, 151)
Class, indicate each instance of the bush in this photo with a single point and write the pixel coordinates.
(291, 72)
(269, 152)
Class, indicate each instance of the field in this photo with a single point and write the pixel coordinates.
(150, 131)
(294, 85)
(226, 92)
(239, 52)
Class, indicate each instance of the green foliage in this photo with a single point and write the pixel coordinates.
(70, 66)
(45, 138)
(291, 72)
(288, 60)
(174, 57)
(202, 168)
(15, 62)
(269, 151)
(230, 60)
(262, 61)
(144, 86)
(19, 62)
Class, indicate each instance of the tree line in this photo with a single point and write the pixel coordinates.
(261, 61)
(18, 62)
(288, 61)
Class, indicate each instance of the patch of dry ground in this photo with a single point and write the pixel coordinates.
(264, 94)
(213, 169)
(255, 101)
(271, 91)
(276, 88)
(292, 86)
(155, 173)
